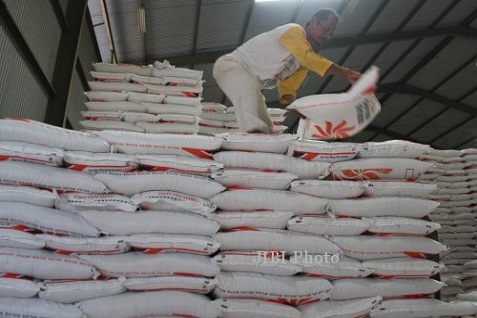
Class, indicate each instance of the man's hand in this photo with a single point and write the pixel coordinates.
(353, 76)
(288, 98)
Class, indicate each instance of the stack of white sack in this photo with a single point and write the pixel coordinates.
(455, 174)
(157, 98)
(216, 118)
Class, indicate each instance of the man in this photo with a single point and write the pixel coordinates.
(280, 57)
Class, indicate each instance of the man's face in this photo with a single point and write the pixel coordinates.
(320, 31)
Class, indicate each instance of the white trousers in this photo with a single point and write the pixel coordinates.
(244, 91)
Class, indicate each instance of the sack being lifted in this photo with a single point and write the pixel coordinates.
(338, 116)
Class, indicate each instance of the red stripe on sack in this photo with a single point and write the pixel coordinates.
(152, 250)
(11, 157)
(415, 254)
(244, 229)
(198, 152)
(186, 274)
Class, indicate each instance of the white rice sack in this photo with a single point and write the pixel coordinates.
(115, 125)
(144, 144)
(398, 188)
(404, 308)
(70, 291)
(125, 223)
(272, 263)
(293, 290)
(76, 202)
(191, 165)
(352, 288)
(147, 79)
(275, 240)
(30, 174)
(330, 267)
(393, 149)
(336, 116)
(158, 243)
(401, 226)
(37, 308)
(104, 96)
(45, 219)
(26, 152)
(150, 304)
(144, 97)
(132, 117)
(181, 81)
(328, 189)
(30, 131)
(325, 225)
(245, 178)
(144, 70)
(169, 128)
(261, 199)
(470, 265)
(341, 308)
(256, 142)
(218, 116)
(17, 287)
(239, 308)
(102, 115)
(27, 195)
(110, 77)
(138, 182)
(182, 91)
(116, 87)
(365, 247)
(213, 107)
(173, 201)
(178, 119)
(44, 264)
(379, 168)
(161, 109)
(19, 239)
(116, 106)
(194, 284)
(182, 100)
(165, 69)
(383, 206)
(313, 150)
(75, 245)
(273, 162)
(402, 267)
(468, 296)
(137, 264)
(253, 219)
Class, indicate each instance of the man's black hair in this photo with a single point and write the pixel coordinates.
(324, 14)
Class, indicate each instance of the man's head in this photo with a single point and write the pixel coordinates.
(321, 27)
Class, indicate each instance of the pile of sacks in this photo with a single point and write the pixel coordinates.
(127, 224)
(455, 174)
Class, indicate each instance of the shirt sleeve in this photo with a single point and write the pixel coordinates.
(295, 41)
(290, 85)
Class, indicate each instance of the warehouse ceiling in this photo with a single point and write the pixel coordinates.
(426, 51)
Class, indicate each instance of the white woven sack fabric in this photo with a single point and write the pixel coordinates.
(102, 115)
(403, 267)
(150, 304)
(262, 199)
(141, 79)
(397, 308)
(213, 107)
(132, 117)
(144, 70)
(19, 239)
(137, 264)
(26, 152)
(271, 143)
(116, 87)
(393, 149)
(144, 97)
(341, 308)
(325, 225)
(30, 174)
(165, 69)
(293, 290)
(76, 202)
(126, 106)
(35, 132)
(195, 284)
(82, 245)
(352, 288)
(275, 240)
(110, 76)
(379, 168)
(192, 165)
(328, 189)
(104, 96)
(158, 243)
(398, 188)
(314, 150)
(27, 195)
(379, 247)
(182, 100)
(468, 296)
(239, 308)
(169, 128)
(325, 267)
(137, 182)
(126, 223)
(383, 206)
(402, 226)
(44, 264)
(254, 219)
(162, 109)
(114, 125)
(273, 162)
(173, 201)
(45, 219)
(37, 308)
(70, 291)
(246, 178)
(182, 91)
(147, 144)
(100, 162)
(265, 263)
(17, 287)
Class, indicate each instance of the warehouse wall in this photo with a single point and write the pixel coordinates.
(46, 51)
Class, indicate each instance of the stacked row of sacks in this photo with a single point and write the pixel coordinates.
(157, 98)
(230, 226)
(455, 174)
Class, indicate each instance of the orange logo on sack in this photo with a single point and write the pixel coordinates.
(364, 174)
(338, 132)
